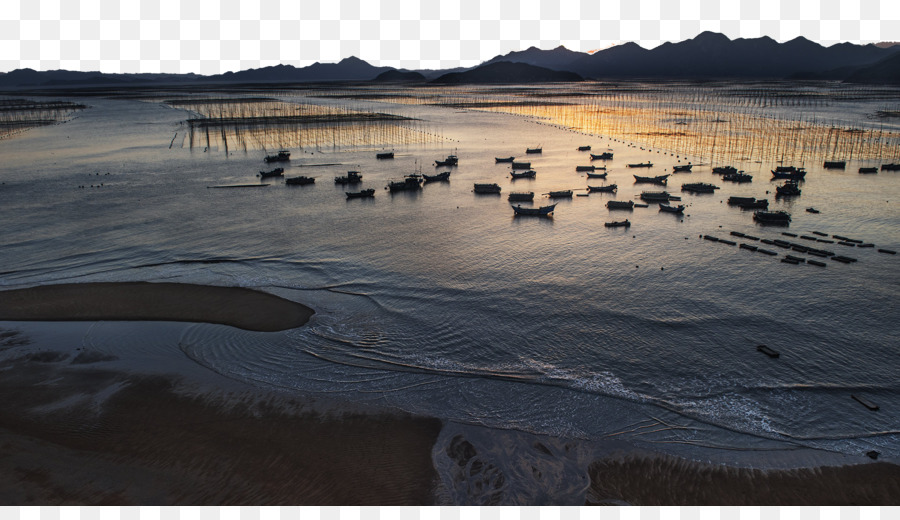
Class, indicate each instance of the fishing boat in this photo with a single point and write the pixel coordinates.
(621, 223)
(299, 181)
(699, 187)
(521, 165)
(640, 165)
(584, 148)
(451, 160)
(890, 167)
(360, 194)
(543, 211)
(655, 196)
(756, 204)
(737, 177)
(869, 169)
(609, 188)
(605, 156)
(596, 175)
(528, 174)
(504, 159)
(772, 217)
(277, 172)
(788, 189)
(788, 172)
(487, 188)
(682, 168)
(443, 176)
(281, 156)
(412, 181)
(659, 179)
(671, 209)
(352, 177)
(736, 201)
(521, 196)
(534, 150)
(812, 210)
(563, 194)
(838, 165)
(620, 204)
(723, 170)
(384, 155)
(585, 168)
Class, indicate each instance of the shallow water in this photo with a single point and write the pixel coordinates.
(441, 302)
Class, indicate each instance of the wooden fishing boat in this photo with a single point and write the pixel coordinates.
(699, 187)
(620, 204)
(868, 169)
(521, 196)
(543, 211)
(384, 155)
(609, 188)
(504, 159)
(722, 170)
(890, 167)
(772, 217)
(360, 194)
(585, 168)
(655, 196)
(451, 160)
(640, 165)
(277, 172)
(486, 188)
(281, 156)
(767, 351)
(412, 181)
(584, 148)
(563, 194)
(788, 172)
(659, 179)
(737, 177)
(352, 177)
(528, 174)
(621, 223)
(521, 165)
(838, 165)
(605, 156)
(812, 210)
(443, 176)
(596, 175)
(682, 168)
(299, 181)
(534, 150)
(671, 209)
(788, 189)
(736, 201)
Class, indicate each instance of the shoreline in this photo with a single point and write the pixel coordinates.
(247, 309)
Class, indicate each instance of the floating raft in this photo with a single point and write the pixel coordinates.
(865, 402)
(766, 251)
(729, 242)
(820, 233)
(710, 238)
(789, 234)
(816, 263)
(767, 351)
(751, 237)
(748, 246)
(888, 251)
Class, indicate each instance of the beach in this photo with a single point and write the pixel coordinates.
(73, 432)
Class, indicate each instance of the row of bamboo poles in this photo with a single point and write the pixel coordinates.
(18, 115)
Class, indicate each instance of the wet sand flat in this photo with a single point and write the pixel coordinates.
(141, 301)
(150, 444)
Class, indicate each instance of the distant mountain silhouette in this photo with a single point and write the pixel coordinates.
(348, 69)
(399, 76)
(559, 58)
(886, 71)
(712, 55)
(707, 56)
(506, 72)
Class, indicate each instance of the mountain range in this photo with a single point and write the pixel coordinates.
(707, 56)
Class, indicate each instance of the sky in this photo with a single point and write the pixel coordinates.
(214, 37)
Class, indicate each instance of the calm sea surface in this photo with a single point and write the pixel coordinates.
(441, 302)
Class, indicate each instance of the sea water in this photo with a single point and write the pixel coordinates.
(441, 302)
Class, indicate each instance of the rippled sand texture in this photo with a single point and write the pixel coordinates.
(73, 435)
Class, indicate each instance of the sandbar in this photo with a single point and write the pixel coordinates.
(239, 307)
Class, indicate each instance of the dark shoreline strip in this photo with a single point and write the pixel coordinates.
(239, 307)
